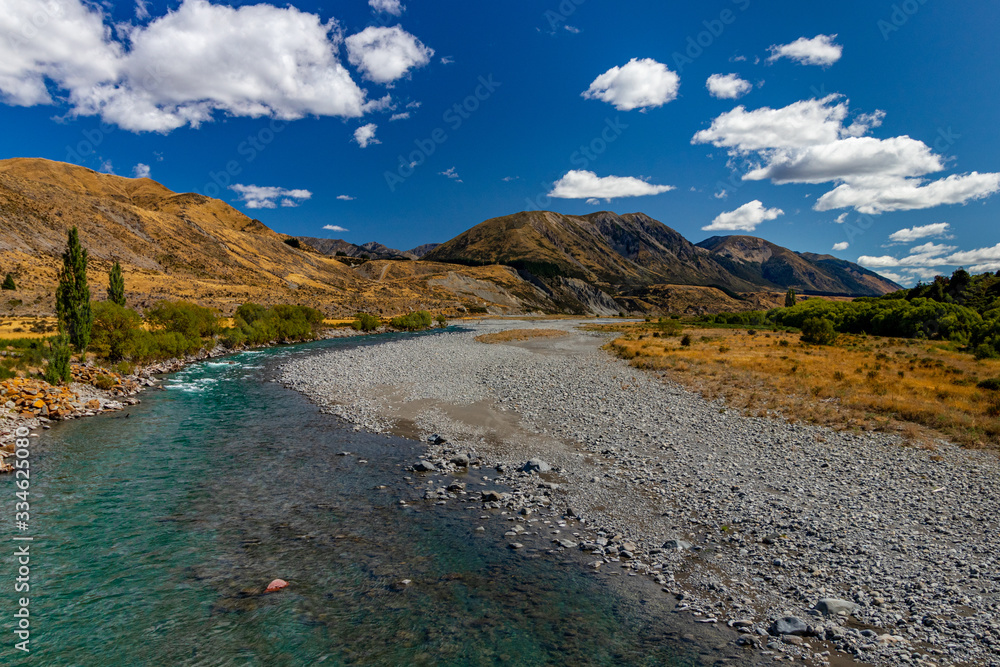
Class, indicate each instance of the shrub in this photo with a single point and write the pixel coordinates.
(58, 369)
(116, 330)
(366, 322)
(104, 382)
(8, 282)
(414, 321)
(686, 340)
(818, 331)
(441, 320)
(991, 384)
(185, 318)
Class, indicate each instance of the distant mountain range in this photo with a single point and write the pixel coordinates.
(370, 250)
(621, 254)
(187, 246)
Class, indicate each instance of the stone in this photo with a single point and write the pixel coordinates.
(424, 466)
(835, 607)
(93, 404)
(515, 545)
(677, 545)
(568, 544)
(276, 585)
(789, 625)
(491, 497)
(536, 465)
(461, 460)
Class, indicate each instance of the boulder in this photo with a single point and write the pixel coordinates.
(677, 545)
(835, 607)
(536, 465)
(424, 466)
(276, 585)
(789, 625)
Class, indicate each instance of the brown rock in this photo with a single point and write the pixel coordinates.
(93, 404)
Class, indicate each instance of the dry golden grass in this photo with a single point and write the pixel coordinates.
(27, 327)
(512, 335)
(920, 389)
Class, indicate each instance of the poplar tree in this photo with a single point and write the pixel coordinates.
(73, 294)
(790, 298)
(116, 285)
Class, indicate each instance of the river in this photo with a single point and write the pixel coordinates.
(156, 529)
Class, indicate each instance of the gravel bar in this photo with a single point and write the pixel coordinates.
(808, 541)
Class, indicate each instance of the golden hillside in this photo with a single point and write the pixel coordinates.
(192, 247)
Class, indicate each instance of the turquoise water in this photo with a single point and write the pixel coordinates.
(155, 533)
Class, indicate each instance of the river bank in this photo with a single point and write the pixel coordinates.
(34, 404)
(806, 540)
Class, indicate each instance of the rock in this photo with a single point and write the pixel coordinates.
(677, 545)
(276, 585)
(536, 465)
(515, 545)
(491, 497)
(568, 544)
(424, 466)
(461, 460)
(835, 607)
(93, 404)
(789, 625)
(573, 512)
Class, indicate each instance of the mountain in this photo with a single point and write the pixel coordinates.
(767, 264)
(186, 246)
(623, 255)
(370, 250)
(421, 250)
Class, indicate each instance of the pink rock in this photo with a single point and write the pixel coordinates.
(276, 585)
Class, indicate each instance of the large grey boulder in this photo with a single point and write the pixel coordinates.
(789, 625)
(536, 465)
(835, 607)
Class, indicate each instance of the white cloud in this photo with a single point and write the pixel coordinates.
(447, 60)
(578, 184)
(842, 218)
(843, 245)
(593, 202)
(979, 255)
(142, 9)
(365, 135)
(820, 50)
(929, 254)
(388, 6)
(881, 195)
(106, 167)
(638, 84)
(572, 29)
(810, 142)
(894, 277)
(988, 267)
(257, 196)
(908, 234)
(451, 173)
(179, 69)
(853, 157)
(413, 105)
(141, 170)
(399, 116)
(384, 54)
(925, 261)
(335, 228)
(346, 198)
(746, 218)
(727, 86)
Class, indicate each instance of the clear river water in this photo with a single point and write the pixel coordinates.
(156, 530)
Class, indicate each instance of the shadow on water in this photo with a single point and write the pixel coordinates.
(155, 535)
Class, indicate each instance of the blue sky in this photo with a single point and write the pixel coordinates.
(869, 127)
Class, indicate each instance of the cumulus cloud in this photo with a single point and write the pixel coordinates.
(141, 170)
(579, 184)
(346, 198)
(399, 116)
(926, 261)
(746, 218)
(365, 135)
(393, 7)
(820, 50)
(179, 69)
(928, 254)
(257, 196)
(335, 228)
(727, 86)
(910, 234)
(843, 245)
(638, 84)
(815, 141)
(385, 54)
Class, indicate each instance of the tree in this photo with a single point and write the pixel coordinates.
(8, 282)
(818, 331)
(790, 298)
(73, 294)
(58, 369)
(441, 320)
(116, 285)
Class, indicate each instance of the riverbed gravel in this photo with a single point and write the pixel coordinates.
(808, 541)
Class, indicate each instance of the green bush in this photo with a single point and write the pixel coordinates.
(990, 384)
(818, 331)
(258, 325)
(104, 382)
(57, 371)
(415, 321)
(441, 320)
(686, 340)
(366, 322)
(185, 318)
(8, 282)
(116, 331)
